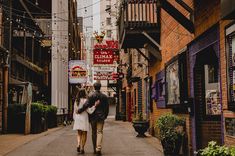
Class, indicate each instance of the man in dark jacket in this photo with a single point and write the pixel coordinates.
(97, 118)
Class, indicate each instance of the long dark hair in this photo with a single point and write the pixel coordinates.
(81, 94)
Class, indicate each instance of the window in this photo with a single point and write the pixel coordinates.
(160, 89)
(172, 79)
(108, 21)
(231, 64)
(212, 99)
(108, 8)
(176, 81)
(109, 33)
(212, 74)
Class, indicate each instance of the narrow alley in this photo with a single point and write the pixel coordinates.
(119, 140)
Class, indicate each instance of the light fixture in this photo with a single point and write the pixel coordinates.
(36, 3)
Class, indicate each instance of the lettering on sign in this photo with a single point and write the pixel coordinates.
(106, 53)
(103, 56)
(103, 76)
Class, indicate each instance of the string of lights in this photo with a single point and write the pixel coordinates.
(34, 30)
(19, 19)
(55, 13)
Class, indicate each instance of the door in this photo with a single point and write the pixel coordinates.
(123, 104)
(207, 99)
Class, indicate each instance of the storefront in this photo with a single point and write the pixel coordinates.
(229, 110)
(205, 89)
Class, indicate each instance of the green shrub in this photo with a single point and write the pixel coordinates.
(171, 133)
(215, 150)
(38, 117)
(52, 120)
(169, 126)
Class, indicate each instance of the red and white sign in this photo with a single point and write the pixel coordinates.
(103, 76)
(110, 44)
(103, 56)
(105, 53)
(77, 71)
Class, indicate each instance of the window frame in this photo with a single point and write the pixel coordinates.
(108, 33)
(160, 80)
(108, 21)
(230, 71)
(183, 82)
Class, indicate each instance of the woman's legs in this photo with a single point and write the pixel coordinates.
(83, 140)
(79, 140)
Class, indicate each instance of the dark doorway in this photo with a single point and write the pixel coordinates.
(207, 98)
(123, 104)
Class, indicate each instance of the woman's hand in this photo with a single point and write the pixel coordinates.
(97, 103)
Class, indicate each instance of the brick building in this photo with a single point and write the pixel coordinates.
(194, 77)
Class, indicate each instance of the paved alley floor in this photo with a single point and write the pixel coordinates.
(119, 140)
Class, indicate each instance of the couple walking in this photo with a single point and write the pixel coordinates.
(96, 108)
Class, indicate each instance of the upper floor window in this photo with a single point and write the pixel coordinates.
(108, 8)
(108, 21)
(109, 33)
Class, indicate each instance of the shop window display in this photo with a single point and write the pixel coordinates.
(213, 104)
(172, 79)
(231, 52)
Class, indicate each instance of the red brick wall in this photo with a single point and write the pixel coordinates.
(1, 101)
(174, 38)
(207, 14)
(228, 140)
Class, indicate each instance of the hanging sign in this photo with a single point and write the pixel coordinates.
(106, 53)
(102, 75)
(77, 71)
(103, 56)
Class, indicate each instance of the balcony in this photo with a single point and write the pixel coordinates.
(136, 20)
(26, 62)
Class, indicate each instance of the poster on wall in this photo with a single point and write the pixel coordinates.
(77, 71)
(213, 106)
(172, 79)
(233, 52)
(230, 126)
(233, 81)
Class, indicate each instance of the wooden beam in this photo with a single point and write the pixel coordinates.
(177, 15)
(146, 57)
(152, 40)
(154, 51)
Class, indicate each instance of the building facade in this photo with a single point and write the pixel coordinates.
(194, 77)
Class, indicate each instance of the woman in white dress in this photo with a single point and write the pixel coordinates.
(81, 121)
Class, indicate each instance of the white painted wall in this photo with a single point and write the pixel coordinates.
(85, 10)
(59, 60)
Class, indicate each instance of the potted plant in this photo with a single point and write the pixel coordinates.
(215, 150)
(171, 132)
(140, 125)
